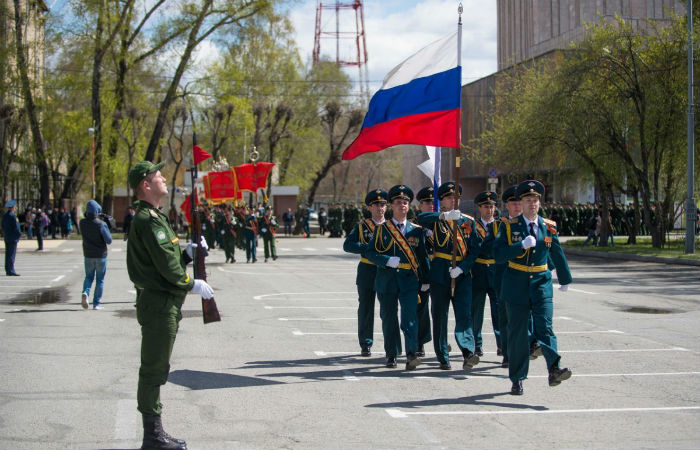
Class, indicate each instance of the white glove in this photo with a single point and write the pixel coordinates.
(455, 272)
(263, 230)
(393, 262)
(190, 250)
(202, 287)
(424, 287)
(528, 242)
(564, 287)
(428, 233)
(454, 214)
(203, 243)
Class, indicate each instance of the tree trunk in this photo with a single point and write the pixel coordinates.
(30, 107)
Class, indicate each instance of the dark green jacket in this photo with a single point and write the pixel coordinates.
(154, 258)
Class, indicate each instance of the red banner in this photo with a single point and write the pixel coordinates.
(221, 186)
(252, 177)
(185, 207)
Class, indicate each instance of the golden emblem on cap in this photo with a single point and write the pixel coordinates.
(531, 184)
(379, 191)
(402, 187)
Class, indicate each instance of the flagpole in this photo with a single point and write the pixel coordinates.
(193, 200)
(459, 141)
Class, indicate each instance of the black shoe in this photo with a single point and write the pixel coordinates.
(470, 360)
(445, 366)
(499, 352)
(155, 438)
(421, 351)
(265, 259)
(517, 388)
(557, 375)
(449, 348)
(366, 352)
(391, 363)
(478, 351)
(255, 260)
(504, 363)
(412, 361)
(535, 350)
(274, 258)
(13, 274)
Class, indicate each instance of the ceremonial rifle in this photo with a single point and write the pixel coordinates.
(210, 313)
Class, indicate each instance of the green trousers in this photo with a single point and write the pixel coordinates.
(269, 244)
(461, 305)
(159, 315)
(423, 312)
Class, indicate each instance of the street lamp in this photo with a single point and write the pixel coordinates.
(91, 131)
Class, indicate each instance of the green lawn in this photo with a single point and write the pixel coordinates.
(674, 248)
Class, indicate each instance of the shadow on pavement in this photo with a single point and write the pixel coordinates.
(476, 400)
(198, 380)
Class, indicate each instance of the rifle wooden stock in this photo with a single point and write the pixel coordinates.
(210, 312)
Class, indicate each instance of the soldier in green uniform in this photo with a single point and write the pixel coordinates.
(267, 225)
(441, 275)
(484, 271)
(398, 250)
(250, 223)
(156, 266)
(220, 225)
(526, 244)
(425, 204)
(358, 242)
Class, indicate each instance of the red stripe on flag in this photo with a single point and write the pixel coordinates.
(438, 129)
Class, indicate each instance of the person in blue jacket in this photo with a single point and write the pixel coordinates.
(526, 243)
(11, 232)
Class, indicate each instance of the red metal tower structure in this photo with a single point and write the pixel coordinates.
(357, 56)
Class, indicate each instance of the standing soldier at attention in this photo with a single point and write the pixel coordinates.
(398, 250)
(267, 224)
(425, 204)
(484, 271)
(156, 266)
(442, 274)
(526, 243)
(358, 242)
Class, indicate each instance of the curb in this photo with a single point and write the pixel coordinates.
(630, 257)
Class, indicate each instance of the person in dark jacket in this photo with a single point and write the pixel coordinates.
(127, 221)
(11, 233)
(96, 237)
(40, 222)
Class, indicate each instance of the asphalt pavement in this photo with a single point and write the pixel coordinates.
(282, 369)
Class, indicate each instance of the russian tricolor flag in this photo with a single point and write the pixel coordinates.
(419, 103)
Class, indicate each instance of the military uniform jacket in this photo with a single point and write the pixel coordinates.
(410, 248)
(527, 275)
(484, 269)
(154, 258)
(358, 242)
(267, 226)
(442, 242)
(250, 224)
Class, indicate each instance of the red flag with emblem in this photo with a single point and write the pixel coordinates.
(252, 177)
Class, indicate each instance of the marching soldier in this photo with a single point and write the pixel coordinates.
(228, 229)
(156, 266)
(425, 204)
(398, 250)
(441, 275)
(484, 271)
(526, 243)
(358, 242)
(251, 235)
(513, 210)
(267, 225)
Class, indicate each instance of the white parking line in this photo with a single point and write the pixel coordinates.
(398, 414)
(309, 249)
(335, 249)
(260, 297)
(310, 307)
(58, 278)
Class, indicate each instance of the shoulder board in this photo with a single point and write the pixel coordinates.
(512, 221)
(153, 213)
(550, 222)
(467, 216)
(416, 225)
(504, 219)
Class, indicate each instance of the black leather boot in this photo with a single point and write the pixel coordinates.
(155, 438)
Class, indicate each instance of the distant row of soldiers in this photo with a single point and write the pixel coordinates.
(447, 257)
(230, 227)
